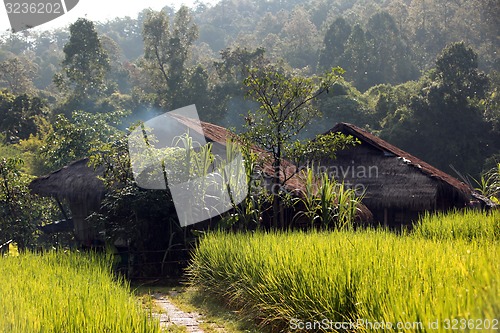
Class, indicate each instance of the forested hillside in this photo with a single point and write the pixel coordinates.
(422, 74)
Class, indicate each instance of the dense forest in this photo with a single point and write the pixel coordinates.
(423, 75)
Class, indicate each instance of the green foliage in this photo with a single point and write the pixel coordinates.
(457, 71)
(198, 91)
(147, 218)
(247, 215)
(492, 102)
(327, 203)
(166, 51)
(68, 292)
(285, 106)
(85, 63)
(285, 109)
(300, 37)
(322, 146)
(229, 93)
(18, 115)
(467, 225)
(20, 211)
(343, 276)
(392, 60)
(343, 103)
(375, 54)
(446, 102)
(71, 140)
(17, 74)
(334, 43)
(357, 57)
(489, 184)
(234, 64)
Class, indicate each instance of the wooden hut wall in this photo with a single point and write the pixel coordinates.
(387, 180)
(81, 207)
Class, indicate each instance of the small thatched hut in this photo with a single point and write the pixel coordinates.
(397, 185)
(218, 135)
(79, 185)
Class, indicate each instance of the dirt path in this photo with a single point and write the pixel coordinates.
(173, 315)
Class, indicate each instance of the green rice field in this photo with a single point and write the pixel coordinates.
(67, 292)
(443, 276)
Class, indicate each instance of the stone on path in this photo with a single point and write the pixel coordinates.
(173, 315)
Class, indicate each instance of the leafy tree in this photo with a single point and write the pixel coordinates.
(145, 218)
(234, 64)
(445, 113)
(117, 76)
(17, 74)
(73, 139)
(390, 102)
(343, 104)
(492, 102)
(357, 58)
(18, 115)
(300, 39)
(17, 211)
(85, 63)
(231, 71)
(285, 109)
(126, 32)
(457, 71)
(334, 44)
(392, 57)
(166, 51)
(199, 92)
(17, 43)
(21, 211)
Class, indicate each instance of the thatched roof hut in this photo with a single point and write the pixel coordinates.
(398, 186)
(79, 185)
(218, 135)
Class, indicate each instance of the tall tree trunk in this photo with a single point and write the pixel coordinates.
(276, 187)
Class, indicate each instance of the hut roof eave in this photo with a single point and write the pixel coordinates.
(461, 188)
(76, 178)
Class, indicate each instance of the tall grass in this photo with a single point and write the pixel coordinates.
(326, 202)
(67, 292)
(466, 224)
(347, 276)
(489, 184)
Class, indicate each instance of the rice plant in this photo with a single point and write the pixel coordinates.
(67, 292)
(360, 277)
(460, 224)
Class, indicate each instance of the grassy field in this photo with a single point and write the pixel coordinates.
(423, 281)
(468, 225)
(67, 292)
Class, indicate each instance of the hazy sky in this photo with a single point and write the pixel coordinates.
(101, 10)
